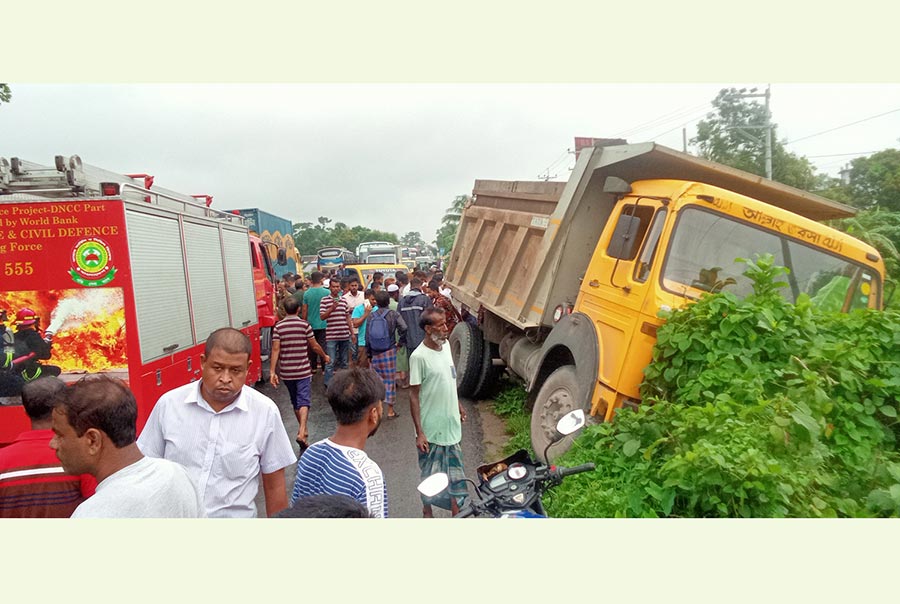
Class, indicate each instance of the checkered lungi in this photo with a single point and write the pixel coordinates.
(385, 365)
(445, 458)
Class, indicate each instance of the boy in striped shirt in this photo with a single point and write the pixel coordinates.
(339, 465)
(292, 338)
(335, 311)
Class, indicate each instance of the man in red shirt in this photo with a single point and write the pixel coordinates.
(33, 483)
(443, 302)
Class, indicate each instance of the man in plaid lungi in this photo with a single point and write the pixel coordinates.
(383, 356)
(436, 411)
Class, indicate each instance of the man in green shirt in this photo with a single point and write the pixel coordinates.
(436, 411)
(311, 299)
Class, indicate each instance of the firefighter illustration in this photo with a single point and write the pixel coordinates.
(30, 347)
(7, 341)
(10, 380)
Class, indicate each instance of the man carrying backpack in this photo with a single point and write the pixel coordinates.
(382, 328)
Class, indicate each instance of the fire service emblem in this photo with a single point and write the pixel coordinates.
(92, 263)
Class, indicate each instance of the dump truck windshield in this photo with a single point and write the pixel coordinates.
(705, 245)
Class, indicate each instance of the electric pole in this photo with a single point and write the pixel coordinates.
(744, 94)
(545, 176)
(768, 133)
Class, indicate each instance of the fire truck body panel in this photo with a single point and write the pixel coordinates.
(128, 287)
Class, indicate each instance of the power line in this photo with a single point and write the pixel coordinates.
(665, 118)
(693, 119)
(840, 154)
(553, 165)
(844, 126)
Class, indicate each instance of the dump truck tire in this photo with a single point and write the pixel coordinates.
(467, 350)
(558, 395)
(488, 374)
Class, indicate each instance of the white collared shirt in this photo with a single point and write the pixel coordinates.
(223, 452)
(353, 302)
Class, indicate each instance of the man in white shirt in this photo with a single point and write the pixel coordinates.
(94, 424)
(354, 298)
(225, 433)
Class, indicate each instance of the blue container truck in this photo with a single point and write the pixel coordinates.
(277, 234)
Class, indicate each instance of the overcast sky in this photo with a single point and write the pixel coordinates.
(392, 157)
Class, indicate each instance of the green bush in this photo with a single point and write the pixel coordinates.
(752, 407)
(509, 404)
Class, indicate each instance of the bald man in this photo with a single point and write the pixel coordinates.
(225, 433)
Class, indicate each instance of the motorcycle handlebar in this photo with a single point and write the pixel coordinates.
(587, 467)
(466, 511)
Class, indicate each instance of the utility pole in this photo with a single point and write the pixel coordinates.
(768, 134)
(545, 176)
(744, 94)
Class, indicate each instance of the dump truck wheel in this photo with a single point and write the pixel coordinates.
(558, 395)
(467, 350)
(488, 374)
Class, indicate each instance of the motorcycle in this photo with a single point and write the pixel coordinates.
(513, 486)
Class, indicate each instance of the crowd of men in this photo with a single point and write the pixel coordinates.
(207, 445)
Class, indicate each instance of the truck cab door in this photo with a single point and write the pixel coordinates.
(617, 292)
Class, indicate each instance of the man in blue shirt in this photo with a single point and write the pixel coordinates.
(338, 465)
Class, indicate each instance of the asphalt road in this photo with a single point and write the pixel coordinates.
(393, 447)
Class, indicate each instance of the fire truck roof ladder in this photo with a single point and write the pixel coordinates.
(65, 178)
(72, 178)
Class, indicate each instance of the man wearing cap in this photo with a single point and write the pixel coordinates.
(401, 377)
(393, 291)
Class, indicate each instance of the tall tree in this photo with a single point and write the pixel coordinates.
(309, 237)
(874, 181)
(5, 93)
(731, 135)
(413, 239)
(450, 223)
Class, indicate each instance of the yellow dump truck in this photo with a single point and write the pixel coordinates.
(566, 279)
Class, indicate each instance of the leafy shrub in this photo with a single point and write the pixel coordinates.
(510, 405)
(510, 401)
(752, 408)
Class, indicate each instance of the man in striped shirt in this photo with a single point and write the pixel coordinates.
(33, 483)
(338, 465)
(336, 313)
(292, 338)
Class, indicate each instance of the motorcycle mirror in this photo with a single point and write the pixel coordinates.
(570, 422)
(434, 484)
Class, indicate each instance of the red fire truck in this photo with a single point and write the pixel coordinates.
(119, 277)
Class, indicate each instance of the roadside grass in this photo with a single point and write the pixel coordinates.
(509, 405)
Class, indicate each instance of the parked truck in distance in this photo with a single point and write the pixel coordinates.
(567, 279)
(277, 234)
